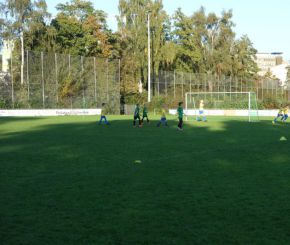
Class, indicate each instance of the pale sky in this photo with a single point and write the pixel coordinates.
(266, 22)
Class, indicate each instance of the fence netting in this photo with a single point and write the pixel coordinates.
(52, 80)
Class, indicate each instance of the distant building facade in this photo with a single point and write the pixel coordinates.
(266, 61)
(7, 48)
(273, 63)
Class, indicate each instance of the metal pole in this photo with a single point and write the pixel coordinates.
(69, 64)
(190, 85)
(83, 81)
(27, 75)
(262, 90)
(174, 82)
(56, 81)
(42, 79)
(230, 88)
(165, 83)
(119, 86)
(249, 94)
(158, 83)
(182, 84)
(149, 79)
(95, 80)
(12, 81)
(107, 81)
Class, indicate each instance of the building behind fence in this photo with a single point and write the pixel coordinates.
(63, 81)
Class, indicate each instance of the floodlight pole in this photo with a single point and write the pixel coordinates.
(149, 65)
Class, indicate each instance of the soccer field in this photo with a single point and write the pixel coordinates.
(67, 180)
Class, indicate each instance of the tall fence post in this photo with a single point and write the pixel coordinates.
(165, 78)
(27, 76)
(69, 64)
(107, 71)
(56, 80)
(12, 81)
(182, 84)
(190, 82)
(95, 80)
(158, 83)
(174, 82)
(119, 67)
(83, 81)
(42, 80)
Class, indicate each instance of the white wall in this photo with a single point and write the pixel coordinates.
(49, 112)
(262, 113)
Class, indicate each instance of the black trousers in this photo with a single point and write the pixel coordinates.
(135, 118)
(180, 122)
(146, 118)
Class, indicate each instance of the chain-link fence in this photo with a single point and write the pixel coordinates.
(53, 80)
(61, 81)
(175, 84)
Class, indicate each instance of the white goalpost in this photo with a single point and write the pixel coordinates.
(223, 104)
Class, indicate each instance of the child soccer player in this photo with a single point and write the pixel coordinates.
(285, 110)
(145, 114)
(137, 116)
(180, 115)
(201, 112)
(103, 115)
(163, 119)
(280, 114)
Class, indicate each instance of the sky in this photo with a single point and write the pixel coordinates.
(266, 22)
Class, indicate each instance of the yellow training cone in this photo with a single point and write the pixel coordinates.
(283, 138)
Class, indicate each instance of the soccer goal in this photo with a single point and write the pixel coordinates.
(223, 104)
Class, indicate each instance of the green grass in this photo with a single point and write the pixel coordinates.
(66, 180)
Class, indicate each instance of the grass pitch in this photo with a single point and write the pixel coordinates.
(66, 180)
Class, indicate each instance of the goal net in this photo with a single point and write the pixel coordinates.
(223, 104)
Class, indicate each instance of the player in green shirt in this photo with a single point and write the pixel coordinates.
(180, 115)
(137, 116)
(145, 114)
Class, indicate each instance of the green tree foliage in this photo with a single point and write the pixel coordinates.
(133, 24)
(199, 43)
(81, 30)
(22, 16)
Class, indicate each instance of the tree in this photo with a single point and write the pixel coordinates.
(19, 15)
(81, 30)
(132, 23)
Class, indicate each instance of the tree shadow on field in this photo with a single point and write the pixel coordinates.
(5, 120)
(69, 180)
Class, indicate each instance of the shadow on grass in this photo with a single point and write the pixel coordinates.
(5, 120)
(69, 180)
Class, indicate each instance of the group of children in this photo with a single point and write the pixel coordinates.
(163, 120)
(145, 115)
(283, 113)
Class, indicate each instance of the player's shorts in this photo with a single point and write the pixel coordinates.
(285, 116)
(163, 119)
(280, 115)
(200, 112)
